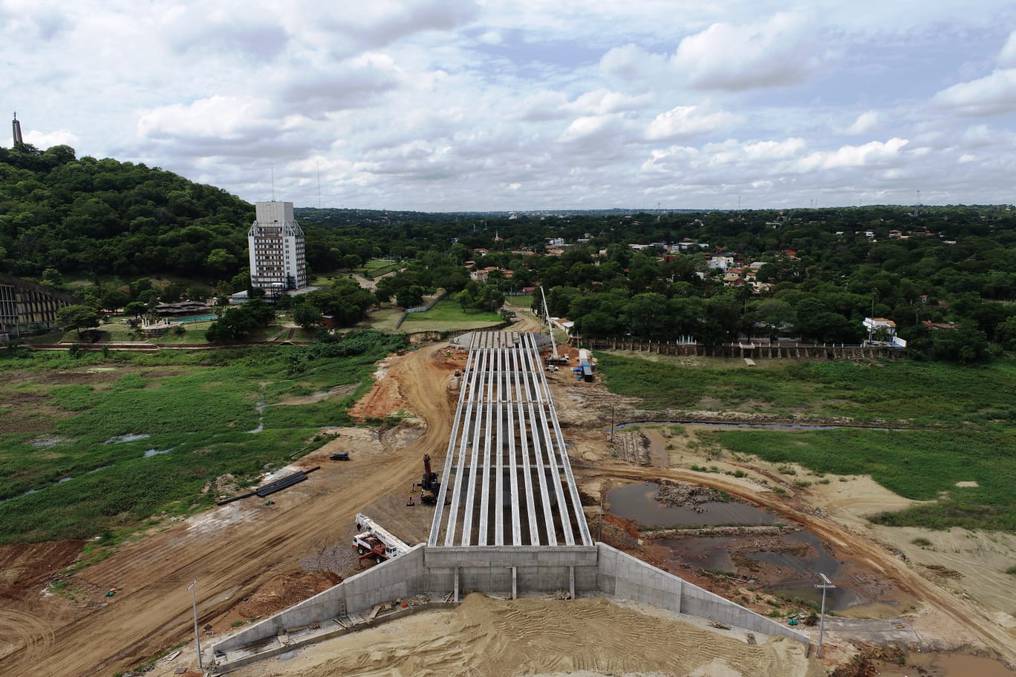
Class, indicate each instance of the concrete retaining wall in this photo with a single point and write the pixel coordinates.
(399, 577)
(597, 569)
(625, 577)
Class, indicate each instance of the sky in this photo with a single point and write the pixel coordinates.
(446, 105)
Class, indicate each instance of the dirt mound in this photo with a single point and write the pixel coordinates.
(283, 591)
(384, 398)
(25, 568)
(539, 636)
(681, 494)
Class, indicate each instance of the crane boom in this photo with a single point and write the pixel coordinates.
(555, 359)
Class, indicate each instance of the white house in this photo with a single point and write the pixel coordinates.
(720, 262)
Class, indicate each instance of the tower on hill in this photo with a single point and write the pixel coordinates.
(276, 248)
(16, 128)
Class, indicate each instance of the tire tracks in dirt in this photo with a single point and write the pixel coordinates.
(152, 612)
(965, 614)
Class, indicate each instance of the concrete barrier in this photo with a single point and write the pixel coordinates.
(625, 577)
(507, 570)
(396, 578)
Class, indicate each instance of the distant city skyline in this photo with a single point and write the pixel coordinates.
(437, 105)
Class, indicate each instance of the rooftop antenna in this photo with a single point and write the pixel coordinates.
(273, 183)
(917, 209)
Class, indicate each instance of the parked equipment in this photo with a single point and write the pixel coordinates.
(340, 456)
(429, 484)
(374, 543)
(555, 358)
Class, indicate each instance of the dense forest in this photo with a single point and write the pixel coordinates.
(945, 275)
(91, 217)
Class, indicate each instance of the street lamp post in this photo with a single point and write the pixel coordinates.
(825, 585)
(193, 587)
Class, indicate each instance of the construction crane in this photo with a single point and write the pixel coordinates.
(375, 543)
(555, 358)
(430, 484)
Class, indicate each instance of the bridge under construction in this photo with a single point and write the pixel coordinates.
(507, 479)
(508, 521)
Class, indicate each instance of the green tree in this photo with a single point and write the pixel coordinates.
(77, 317)
(307, 315)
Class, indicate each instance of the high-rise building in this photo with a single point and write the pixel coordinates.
(276, 248)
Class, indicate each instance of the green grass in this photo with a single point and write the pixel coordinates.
(923, 465)
(448, 315)
(922, 393)
(964, 421)
(200, 406)
(378, 267)
(382, 319)
(522, 301)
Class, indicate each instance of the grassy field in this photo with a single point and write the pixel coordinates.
(918, 464)
(142, 434)
(377, 267)
(448, 315)
(382, 319)
(966, 421)
(522, 301)
(922, 393)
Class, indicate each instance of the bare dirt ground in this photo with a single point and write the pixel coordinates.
(538, 636)
(972, 608)
(253, 543)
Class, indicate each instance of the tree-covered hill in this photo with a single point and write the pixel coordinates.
(83, 216)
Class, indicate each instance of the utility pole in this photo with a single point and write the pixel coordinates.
(826, 584)
(612, 424)
(194, 605)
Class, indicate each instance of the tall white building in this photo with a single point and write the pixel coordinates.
(276, 248)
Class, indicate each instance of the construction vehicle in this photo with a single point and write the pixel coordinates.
(340, 456)
(555, 358)
(429, 484)
(374, 543)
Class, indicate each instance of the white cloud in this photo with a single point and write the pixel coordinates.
(633, 63)
(604, 101)
(744, 56)
(58, 137)
(871, 153)
(685, 121)
(589, 127)
(352, 83)
(991, 95)
(864, 123)
(1007, 57)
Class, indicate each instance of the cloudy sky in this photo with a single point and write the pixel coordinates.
(532, 104)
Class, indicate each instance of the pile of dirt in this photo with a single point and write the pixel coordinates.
(867, 661)
(222, 487)
(484, 636)
(384, 398)
(680, 494)
(24, 568)
(284, 591)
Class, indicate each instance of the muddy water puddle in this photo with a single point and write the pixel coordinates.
(933, 664)
(637, 502)
(780, 562)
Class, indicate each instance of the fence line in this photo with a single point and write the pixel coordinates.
(753, 350)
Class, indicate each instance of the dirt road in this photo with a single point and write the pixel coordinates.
(967, 616)
(232, 550)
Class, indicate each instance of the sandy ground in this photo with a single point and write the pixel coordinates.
(254, 543)
(538, 636)
(253, 557)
